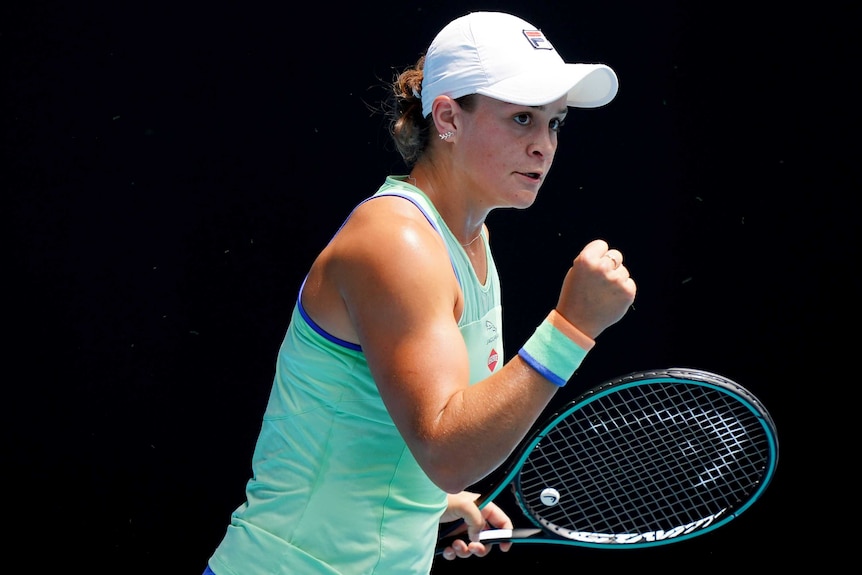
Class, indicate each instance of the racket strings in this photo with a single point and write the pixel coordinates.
(643, 458)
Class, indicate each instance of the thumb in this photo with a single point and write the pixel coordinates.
(475, 522)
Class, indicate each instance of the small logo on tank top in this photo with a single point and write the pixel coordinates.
(491, 329)
(492, 359)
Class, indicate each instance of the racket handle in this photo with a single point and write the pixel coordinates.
(447, 531)
(490, 537)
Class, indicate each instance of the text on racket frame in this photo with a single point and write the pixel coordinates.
(648, 536)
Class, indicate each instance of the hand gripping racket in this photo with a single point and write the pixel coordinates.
(646, 459)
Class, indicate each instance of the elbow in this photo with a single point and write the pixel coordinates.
(442, 455)
(451, 476)
(449, 483)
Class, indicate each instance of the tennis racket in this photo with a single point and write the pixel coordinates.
(647, 459)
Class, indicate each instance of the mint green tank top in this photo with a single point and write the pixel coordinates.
(335, 490)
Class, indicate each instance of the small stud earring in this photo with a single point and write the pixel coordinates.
(446, 135)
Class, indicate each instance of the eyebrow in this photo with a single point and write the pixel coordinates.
(563, 111)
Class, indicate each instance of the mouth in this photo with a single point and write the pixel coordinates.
(535, 176)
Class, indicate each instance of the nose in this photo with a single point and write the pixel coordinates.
(543, 145)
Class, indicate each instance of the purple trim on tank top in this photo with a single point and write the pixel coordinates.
(322, 332)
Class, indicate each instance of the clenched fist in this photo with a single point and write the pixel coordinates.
(597, 290)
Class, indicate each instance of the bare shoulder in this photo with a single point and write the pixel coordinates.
(388, 229)
(387, 258)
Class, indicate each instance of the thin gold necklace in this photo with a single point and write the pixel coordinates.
(471, 241)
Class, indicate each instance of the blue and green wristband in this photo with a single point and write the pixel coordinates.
(556, 349)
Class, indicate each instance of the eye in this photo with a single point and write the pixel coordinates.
(557, 124)
(523, 119)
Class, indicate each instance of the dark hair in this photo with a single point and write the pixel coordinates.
(410, 131)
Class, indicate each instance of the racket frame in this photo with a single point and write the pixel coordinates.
(543, 534)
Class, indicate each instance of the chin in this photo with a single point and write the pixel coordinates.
(524, 200)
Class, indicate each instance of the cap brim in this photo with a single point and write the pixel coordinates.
(585, 86)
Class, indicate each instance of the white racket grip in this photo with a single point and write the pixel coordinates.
(502, 535)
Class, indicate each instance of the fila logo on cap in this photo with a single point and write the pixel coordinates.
(538, 40)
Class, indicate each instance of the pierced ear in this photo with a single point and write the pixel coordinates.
(445, 111)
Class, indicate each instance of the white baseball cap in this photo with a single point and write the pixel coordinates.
(503, 57)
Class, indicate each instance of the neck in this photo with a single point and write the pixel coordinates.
(454, 208)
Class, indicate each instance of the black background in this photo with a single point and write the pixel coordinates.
(171, 169)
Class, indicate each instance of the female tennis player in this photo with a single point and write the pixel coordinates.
(391, 395)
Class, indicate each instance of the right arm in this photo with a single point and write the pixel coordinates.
(386, 282)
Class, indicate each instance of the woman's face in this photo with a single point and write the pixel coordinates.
(505, 151)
